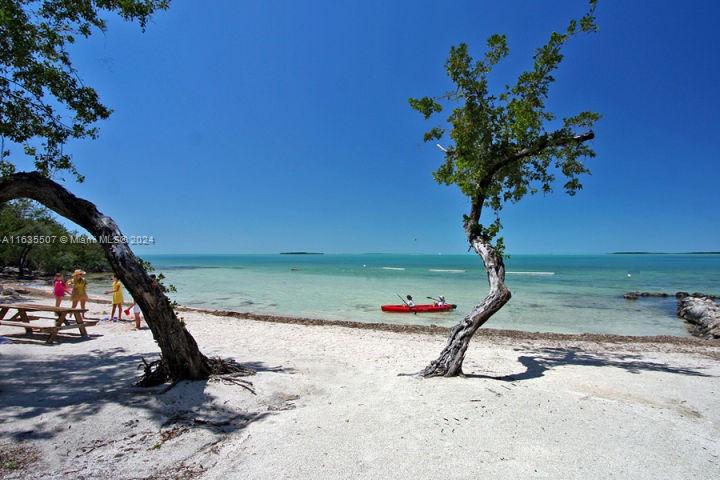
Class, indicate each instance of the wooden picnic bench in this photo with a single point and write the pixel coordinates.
(60, 320)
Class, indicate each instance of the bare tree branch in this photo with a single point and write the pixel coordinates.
(546, 141)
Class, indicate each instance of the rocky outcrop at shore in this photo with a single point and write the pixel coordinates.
(698, 309)
(678, 295)
(636, 295)
(703, 313)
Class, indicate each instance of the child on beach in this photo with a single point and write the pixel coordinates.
(136, 314)
(117, 298)
(79, 289)
(59, 288)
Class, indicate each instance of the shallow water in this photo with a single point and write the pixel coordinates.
(551, 293)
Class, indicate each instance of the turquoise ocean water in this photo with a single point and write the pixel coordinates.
(551, 293)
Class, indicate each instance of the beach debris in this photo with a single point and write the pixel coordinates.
(16, 457)
(181, 471)
(169, 434)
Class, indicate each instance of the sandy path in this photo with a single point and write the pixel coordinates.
(336, 408)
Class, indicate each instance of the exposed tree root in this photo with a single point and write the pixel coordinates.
(228, 371)
(154, 373)
(225, 370)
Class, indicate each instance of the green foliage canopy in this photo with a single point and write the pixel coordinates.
(43, 102)
(502, 145)
(25, 219)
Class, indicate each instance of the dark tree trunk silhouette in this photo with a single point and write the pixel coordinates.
(181, 356)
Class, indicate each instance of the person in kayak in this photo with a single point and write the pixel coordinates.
(409, 302)
(440, 301)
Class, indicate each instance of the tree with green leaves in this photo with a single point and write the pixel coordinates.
(43, 104)
(24, 219)
(503, 146)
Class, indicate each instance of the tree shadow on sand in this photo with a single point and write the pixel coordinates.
(39, 339)
(541, 360)
(75, 387)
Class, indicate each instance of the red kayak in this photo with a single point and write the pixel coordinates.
(418, 308)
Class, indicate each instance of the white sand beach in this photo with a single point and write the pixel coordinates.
(329, 403)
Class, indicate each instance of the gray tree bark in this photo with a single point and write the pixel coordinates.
(181, 356)
(449, 362)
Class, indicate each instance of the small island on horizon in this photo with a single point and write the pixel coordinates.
(301, 253)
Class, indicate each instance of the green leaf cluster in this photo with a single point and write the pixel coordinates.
(24, 218)
(149, 268)
(43, 101)
(501, 144)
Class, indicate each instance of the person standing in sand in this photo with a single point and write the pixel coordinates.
(59, 288)
(117, 298)
(79, 289)
(136, 313)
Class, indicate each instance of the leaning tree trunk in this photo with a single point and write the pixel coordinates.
(449, 363)
(181, 355)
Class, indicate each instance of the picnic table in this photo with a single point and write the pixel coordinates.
(26, 313)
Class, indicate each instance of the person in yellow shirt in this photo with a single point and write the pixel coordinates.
(117, 298)
(79, 289)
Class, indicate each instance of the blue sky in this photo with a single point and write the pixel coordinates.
(248, 127)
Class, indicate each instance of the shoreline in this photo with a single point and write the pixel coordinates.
(691, 344)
